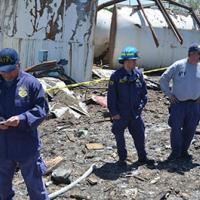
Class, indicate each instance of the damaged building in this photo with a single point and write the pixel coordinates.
(73, 33)
(62, 29)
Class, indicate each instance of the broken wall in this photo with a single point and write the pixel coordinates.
(65, 28)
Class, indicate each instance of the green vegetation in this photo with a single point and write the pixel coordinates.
(192, 3)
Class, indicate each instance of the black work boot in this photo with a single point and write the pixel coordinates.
(186, 156)
(172, 157)
(145, 161)
(122, 163)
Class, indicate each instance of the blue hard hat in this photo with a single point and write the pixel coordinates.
(128, 53)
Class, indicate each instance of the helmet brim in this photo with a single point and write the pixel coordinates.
(121, 60)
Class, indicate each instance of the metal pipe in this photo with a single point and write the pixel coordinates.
(109, 3)
(187, 8)
(169, 21)
(150, 26)
(178, 4)
(113, 30)
(195, 17)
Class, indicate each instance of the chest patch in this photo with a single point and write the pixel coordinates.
(123, 80)
(22, 92)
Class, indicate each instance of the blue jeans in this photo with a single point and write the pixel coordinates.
(183, 120)
(31, 170)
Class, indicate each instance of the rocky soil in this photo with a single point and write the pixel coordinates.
(68, 137)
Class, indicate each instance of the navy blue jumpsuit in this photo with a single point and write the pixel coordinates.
(127, 96)
(20, 145)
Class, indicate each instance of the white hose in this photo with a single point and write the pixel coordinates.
(66, 188)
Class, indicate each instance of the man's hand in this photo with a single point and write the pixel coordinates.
(173, 99)
(116, 117)
(12, 121)
(3, 126)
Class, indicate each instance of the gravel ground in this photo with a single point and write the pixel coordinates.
(164, 181)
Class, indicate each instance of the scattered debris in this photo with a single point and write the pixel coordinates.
(50, 69)
(94, 146)
(61, 175)
(53, 163)
(71, 137)
(77, 143)
(80, 197)
(66, 97)
(51, 85)
(92, 180)
(65, 189)
(100, 100)
(81, 132)
(42, 66)
(102, 73)
(152, 84)
(155, 180)
(198, 131)
(131, 193)
(59, 110)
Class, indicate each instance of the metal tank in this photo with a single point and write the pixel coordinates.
(129, 27)
(102, 33)
(64, 29)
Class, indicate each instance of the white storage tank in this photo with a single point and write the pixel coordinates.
(102, 32)
(132, 29)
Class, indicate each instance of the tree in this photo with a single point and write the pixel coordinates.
(192, 3)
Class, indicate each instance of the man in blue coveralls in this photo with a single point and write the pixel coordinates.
(127, 96)
(22, 108)
(184, 97)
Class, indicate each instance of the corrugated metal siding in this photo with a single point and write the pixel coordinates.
(65, 28)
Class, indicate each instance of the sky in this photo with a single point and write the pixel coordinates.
(127, 2)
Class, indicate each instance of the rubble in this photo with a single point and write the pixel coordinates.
(53, 163)
(94, 146)
(76, 144)
(66, 188)
(61, 175)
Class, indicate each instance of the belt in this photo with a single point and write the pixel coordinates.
(189, 101)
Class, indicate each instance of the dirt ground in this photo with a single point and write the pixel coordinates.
(67, 137)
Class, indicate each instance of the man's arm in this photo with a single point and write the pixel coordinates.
(144, 93)
(164, 83)
(112, 96)
(165, 79)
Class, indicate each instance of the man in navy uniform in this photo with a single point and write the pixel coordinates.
(127, 96)
(22, 108)
(184, 97)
